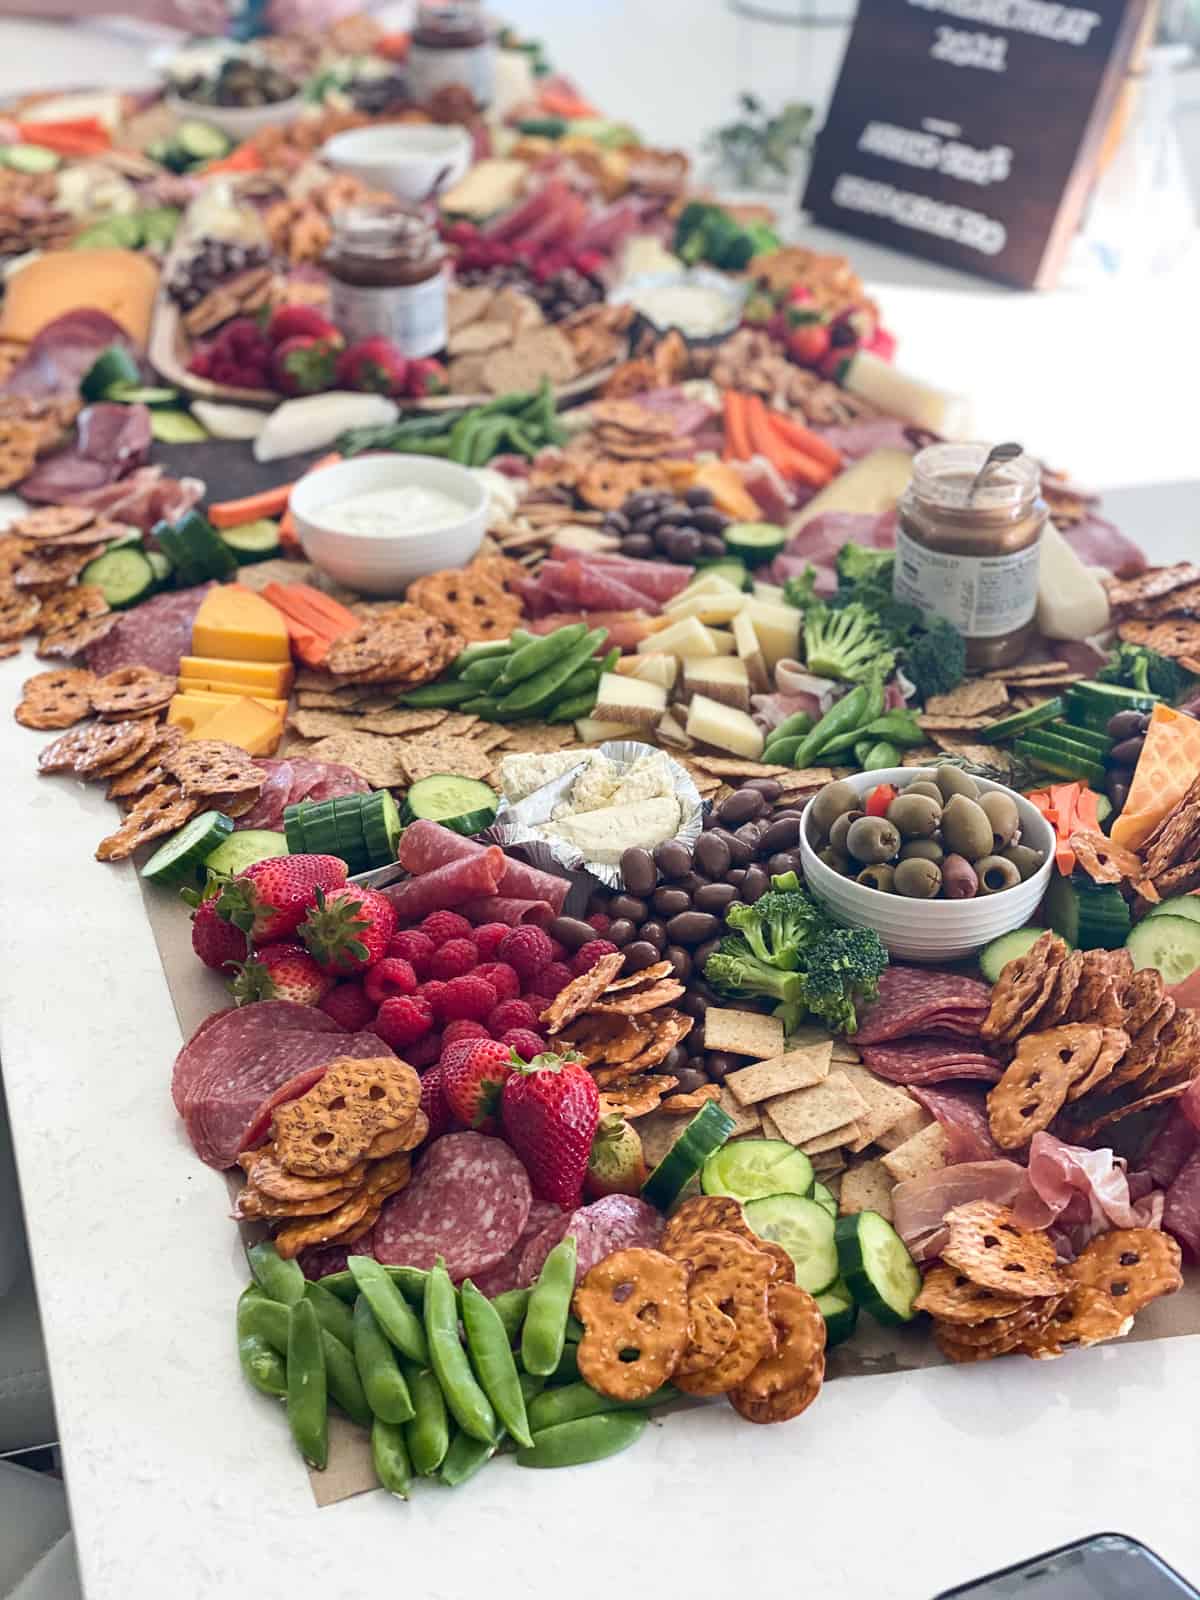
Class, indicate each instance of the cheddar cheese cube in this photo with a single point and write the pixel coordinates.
(254, 727)
(269, 677)
(235, 624)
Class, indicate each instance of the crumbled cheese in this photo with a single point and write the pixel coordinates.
(520, 775)
(603, 835)
(604, 784)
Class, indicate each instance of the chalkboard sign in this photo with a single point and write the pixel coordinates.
(969, 131)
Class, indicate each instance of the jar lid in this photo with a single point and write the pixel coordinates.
(944, 473)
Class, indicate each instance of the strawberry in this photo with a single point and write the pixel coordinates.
(433, 1104)
(301, 322)
(550, 1109)
(218, 943)
(473, 1077)
(616, 1164)
(348, 929)
(303, 365)
(373, 364)
(425, 377)
(270, 899)
(808, 343)
(281, 972)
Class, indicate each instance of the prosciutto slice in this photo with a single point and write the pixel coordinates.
(1086, 1192)
(919, 1205)
(60, 355)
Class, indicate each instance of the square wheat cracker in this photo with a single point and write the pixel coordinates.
(866, 1186)
(806, 1114)
(913, 1120)
(924, 1152)
(886, 1104)
(743, 1033)
(834, 1140)
(805, 1035)
(770, 1128)
(798, 1069)
(745, 1118)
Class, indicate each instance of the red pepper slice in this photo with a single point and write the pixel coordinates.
(879, 799)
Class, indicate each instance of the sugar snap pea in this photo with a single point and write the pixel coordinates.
(433, 695)
(846, 715)
(883, 754)
(567, 1370)
(482, 650)
(581, 705)
(780, 752)
(587, 677)
(262, 1364)
(545, 1331)
(575, 1329)
(537, 691)
(383, 1382)
(396, 1317)
(278, 1279)
(484, 672)
(307, 1407)
(268, 1319)
(577, 1400)
(492, 1358)
(571, 1444)
(468, 1403)
(466, 1455)
(333, 1314)
(540, 652)
(510, 1307)
(389, 1455)
(409, 1280)
(427, 1436)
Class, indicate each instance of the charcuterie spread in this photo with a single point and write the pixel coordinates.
(752, 884)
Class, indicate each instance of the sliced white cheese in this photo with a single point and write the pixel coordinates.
(777, 629)
(722, 641)
(772, 593)
(722, 678)
(871, 486)
(724, 727)
(707, 583)
(687, 638)
(750, 651)
(602, 836)
(629, 700)
(707, 607)
(670, 731)
(316, 420)
(653, 668)
(899, 395)
(591, 731)
(574, 536)
(1071, 602)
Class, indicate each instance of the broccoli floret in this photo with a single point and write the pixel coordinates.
(936, 660)
(1135, 667)
(801, 592)
(857, 563)
(839, 968)
(845, 644)
(734, 969)
(778, 926)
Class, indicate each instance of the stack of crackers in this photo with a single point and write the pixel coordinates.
(999, 1289)
(1168, 862)
(716, 777)
(31, 426)
(399, 644)
(241, 295)
(632, 432)
(336, 1154)
(479, 602)
(41, 557)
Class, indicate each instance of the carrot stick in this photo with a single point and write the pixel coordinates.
(759, 430)
(805, 440)
(266, 503)
(289, 538)
(331, 611)
(737, 438)
(245, 158)
(791, 463)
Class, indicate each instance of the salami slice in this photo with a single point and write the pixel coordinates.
(539, 1246)
(469, 1202)
(1181, 1210)
(155, 635)
(503, 908)
(260, 1126)
(618, 1222)
(61, 353)
(470, 878)
(267, 811)
(914, 1000)
(319, 1260)
(963, 1116)
(1170, 1148)
(656, 581)
(929, 1061)
(506, 1273)
(237, 1027)
(426, 846)
(337, 780)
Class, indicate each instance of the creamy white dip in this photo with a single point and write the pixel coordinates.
(384, 513)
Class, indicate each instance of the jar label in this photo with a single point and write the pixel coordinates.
(983, 596)
(469, 66)
(412, 316)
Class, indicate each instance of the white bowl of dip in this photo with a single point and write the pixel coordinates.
(378, 521)
(404, 158)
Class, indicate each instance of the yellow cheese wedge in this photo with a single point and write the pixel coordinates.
(194, 708)
(237, 690)
(1167, 767)
(121, 282)
(236, 624)
(250, 724)
(273, 678)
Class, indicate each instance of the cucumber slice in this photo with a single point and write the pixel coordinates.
(838, 1308)
(131, 539)
(703, 1137)
(176, 427)
(1060, 762)
(242, 850)
(754, 542)
(994, 957)
(123, 576)
(805, 1230)
(158, 225)
(310, 829)
(1104, 809)
(176, 861)
(161, 567)
(731, 567)
(252, 541)
(114, 365)
(114, 233)
(752, 1168)
(31, 158)
(1172, 944)
(1180, 905)
(463, 804)
(825, 1197)
(1089, 738)
(879, 1272)
(202, 554)
(1090, 916)
(1112, 697)
(201, 141)
(381, 828)
(141, 394)
(347, 823)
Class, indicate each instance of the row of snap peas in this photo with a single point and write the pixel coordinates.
(553, 675)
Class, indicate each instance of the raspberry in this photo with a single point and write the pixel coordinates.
(559, 952)
(424, 1052)
(454, 959)
(489, 937)
(527, 950)
(512, 1014)
(588, 955)
(348, 1004)
(456, 1032)
(433, 1103)
(600, 922)
(502, 978)
(403, 1020)
(442, 926)
(391, 976)
(467, 997)
(550, 980)
(414, 947)
(526, 1044)
(433, 991)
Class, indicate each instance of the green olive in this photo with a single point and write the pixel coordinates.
(872, 839)
(918, 879)
(841, 827)
(1025, 858)
(915, 815)
(958, 879)
(879, 877)
(926, 786)
(996, 874)
(966, 829)
(829, 804)
(952, 781)
(834, 859)
(1002, 813)
(921, 850)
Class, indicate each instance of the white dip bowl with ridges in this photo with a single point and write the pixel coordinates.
(931, 930)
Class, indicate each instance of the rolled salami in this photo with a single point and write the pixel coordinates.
(505, 908)
(454, 881)
(426, 846)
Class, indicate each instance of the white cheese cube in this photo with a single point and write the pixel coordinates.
(750, 651)
(687, 638)
(1071, 601)
(652, 668)
(629, 700)
(777, 629)
(723, 678)
(871, 486)
(592, 731)
(724, 727)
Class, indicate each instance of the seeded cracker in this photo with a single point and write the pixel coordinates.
(974, 698)
(380, 761)
(66, 643)
(210, 766)
(427, 754)
(867, 1186)
(55, 699)
(161, 811)
(130, 691)
(798, 1069)
(926, 1151)
(743, 1033)
(51, 522)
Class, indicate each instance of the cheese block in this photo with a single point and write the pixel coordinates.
(777, 629)
(724, 727)
(236, 623)
(194, 709)
(629, 700)
(899, 395)
(591, 731)
(750, 651)
(253, 726)
(122, 283)
(688, 637)
(1167, 767)
(723, 678)
(709, 607)
(656, 667)
(603, 836)
(1071, 601)
(870, 487)
(268, 677)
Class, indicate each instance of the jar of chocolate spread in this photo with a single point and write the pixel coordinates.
(387, 276)
(451, 44)
(968, 547)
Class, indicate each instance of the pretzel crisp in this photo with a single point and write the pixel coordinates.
(329, 1129)
(988, 1246)
(728, 1274)
(1131, 1265)
(786, 1382)
(632, 1304)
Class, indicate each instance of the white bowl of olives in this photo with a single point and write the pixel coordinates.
(948, 864)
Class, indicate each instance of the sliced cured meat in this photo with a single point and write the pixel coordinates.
(426, 846)
(506, 1274)
(267, 810)
(471, 878)
(60, 355)
(919, 1205)
(1098, 543)
(61, 478)
(658, 581)
(260, 1124)
(617, 1222)
(1085, 1192)
(772, 709)
(319, 1260)
(157, 634)
(775, 498)
(1171, 1146)
(112, 440)
(963, 1117)
(626, 629)
(504, 908)
(929, 1061)
(237, 1025)
(337, 780)
(469, 1202)
(857, 439)
(573, 583)
(1181, 1212)
(539, 1246)
(916, 1000)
